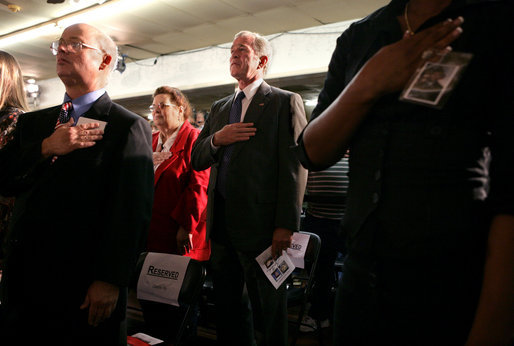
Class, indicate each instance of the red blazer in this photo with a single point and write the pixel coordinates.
(180, 198)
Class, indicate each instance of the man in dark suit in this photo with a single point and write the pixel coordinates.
(255, 191)
(84, 199)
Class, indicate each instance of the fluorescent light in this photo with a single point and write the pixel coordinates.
(32, 88)
(311, 102)
(100, 12)
(88, 15)
(29, 34)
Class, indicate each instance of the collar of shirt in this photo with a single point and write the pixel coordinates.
(250, 92)
(83, 103)
(169, 142)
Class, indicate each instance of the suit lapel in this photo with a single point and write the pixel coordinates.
(259, 101)
(180, 141)
(221, 119)
(100, 109)
(50, 119)
(162, 168)
(223, 116)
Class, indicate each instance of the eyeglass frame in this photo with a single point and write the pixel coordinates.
(80, 45)
(161, 105)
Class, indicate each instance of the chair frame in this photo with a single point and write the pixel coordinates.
(311, 255)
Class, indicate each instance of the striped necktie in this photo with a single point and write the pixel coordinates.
(64, 115)
(234, 117)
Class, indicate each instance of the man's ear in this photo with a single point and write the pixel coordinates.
(106, 60)
(263, 60)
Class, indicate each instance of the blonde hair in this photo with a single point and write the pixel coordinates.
(12, 91)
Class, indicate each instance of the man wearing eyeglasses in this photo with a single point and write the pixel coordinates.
(84, 198)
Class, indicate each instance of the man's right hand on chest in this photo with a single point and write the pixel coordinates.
(67, 138)
(232, 133)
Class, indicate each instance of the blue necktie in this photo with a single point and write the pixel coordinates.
(234, 117)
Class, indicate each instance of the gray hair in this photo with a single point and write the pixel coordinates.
(261, 45)
(108, 46)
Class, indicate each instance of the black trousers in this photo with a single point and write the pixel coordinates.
(417, 301)
(249, 310)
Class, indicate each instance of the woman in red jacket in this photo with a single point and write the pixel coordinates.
(180, 195)
(180, 198)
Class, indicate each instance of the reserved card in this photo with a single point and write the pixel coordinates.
(297, 249)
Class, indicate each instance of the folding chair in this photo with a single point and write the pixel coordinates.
(189, 292)
(303, 278)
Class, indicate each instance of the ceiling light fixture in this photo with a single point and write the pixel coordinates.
(14, 8)
(121, 65)
(27, 34)
(90, 14)
(311, 102)
(32, 88)
(99, 12)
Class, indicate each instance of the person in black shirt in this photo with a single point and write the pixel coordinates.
(430, 209)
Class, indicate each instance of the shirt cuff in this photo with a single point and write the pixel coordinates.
(214, 148)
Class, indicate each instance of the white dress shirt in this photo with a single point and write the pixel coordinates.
(250, 92)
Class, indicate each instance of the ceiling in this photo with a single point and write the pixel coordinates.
(149, 28)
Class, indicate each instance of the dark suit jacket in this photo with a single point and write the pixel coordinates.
(265, 182)
(80, 219)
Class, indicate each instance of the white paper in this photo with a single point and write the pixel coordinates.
(277, 271)
(296, 251)
(147, 338)
(84, 120)
(161, 277)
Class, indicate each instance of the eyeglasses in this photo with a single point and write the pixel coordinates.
(72, 47)
(161, 106)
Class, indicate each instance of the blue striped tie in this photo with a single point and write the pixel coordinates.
(234, 117)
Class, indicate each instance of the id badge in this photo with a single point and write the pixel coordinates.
(432, 84)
